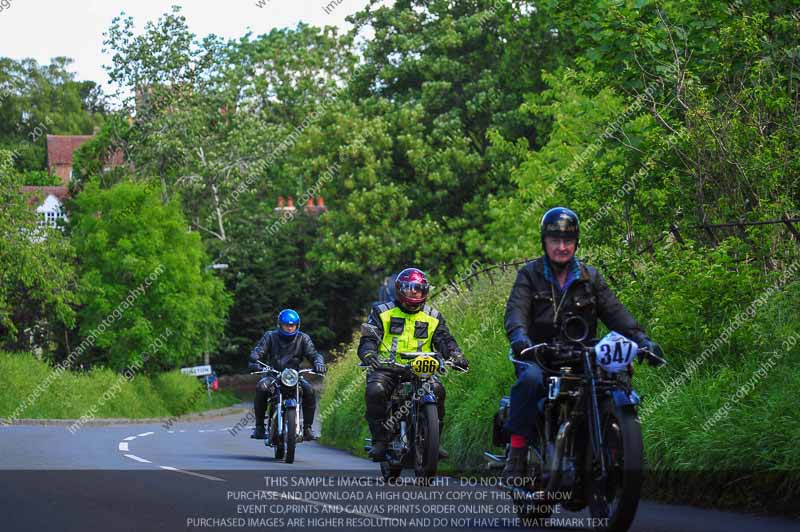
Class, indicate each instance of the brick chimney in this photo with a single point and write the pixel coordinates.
(321, 205)
(290, 204)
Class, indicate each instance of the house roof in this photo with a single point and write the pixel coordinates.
(61, 147)
(37, 194)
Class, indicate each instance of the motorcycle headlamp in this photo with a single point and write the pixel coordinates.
(289, 377)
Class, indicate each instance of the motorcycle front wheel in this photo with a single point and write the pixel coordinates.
(613, 500)
(290, 433)
(426, 443)
(276, 438)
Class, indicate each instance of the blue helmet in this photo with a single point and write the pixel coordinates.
(288, 317)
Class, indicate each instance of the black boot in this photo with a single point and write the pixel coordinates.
(514, 473)
(259, 433)
(378, 451)
(307, 434)
(380, 437)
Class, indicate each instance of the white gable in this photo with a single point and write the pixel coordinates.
(51, 204)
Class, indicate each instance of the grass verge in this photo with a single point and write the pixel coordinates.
(73, 395)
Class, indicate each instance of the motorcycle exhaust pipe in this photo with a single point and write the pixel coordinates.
(555, 463)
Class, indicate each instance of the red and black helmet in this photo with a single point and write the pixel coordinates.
(411, 289)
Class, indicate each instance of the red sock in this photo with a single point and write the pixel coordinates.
(518, 442)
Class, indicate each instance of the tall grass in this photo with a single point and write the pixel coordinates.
(684, 305)
(72, 395)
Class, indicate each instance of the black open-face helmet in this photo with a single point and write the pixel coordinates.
(560, 222)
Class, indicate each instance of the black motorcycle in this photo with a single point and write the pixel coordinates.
(588, 450)
(284, 430)
(413, 419)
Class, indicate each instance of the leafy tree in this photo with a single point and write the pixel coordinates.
(37, 281)
(129, 242)
(39, 100)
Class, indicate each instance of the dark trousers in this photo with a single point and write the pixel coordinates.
(266, 389)
(380, 387)
(527, 395)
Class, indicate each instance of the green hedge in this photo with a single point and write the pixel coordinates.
(72, 395)
(688, 299)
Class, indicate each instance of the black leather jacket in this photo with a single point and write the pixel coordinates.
(531, 308)
(286, 351)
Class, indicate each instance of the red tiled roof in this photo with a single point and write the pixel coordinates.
(38, 194)
(61, 147)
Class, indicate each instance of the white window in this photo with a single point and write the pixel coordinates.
(50, 212)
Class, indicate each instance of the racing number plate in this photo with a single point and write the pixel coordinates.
(424, 366)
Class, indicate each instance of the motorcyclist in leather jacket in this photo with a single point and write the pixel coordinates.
(285, 347)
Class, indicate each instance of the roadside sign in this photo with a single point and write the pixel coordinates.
(197, 371)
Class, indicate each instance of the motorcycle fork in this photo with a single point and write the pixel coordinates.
(279, 413)
(594, 415)
(299, 408)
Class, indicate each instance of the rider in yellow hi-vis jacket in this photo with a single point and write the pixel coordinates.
(407, 324)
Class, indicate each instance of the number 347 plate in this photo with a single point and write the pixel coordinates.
(614, 352)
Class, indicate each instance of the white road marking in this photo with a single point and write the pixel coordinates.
(181, 431)
(134, 457)
(170, 432)
(129, 438)
(123, 446)
(209, 477)
(143, 434)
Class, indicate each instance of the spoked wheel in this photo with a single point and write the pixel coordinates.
(290, 433)
(426, 443)
(614, 499)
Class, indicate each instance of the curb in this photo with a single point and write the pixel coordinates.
(195, 416)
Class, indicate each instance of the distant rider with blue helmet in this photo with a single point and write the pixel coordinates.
(285, 347)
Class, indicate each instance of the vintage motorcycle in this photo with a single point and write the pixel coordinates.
(588, 450)
(413, 419)
(284, 430)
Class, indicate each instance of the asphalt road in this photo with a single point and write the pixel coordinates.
(199, 476)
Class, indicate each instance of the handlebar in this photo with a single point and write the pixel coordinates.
(270, 369)
(410, 355)
(571, 352)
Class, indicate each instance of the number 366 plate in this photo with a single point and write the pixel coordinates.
(424, 366)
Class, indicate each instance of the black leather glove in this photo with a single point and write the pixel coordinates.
(319, 367)
(372, 360)
(254, 366)
(460, 361)
(648, 344)
(519, 342)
